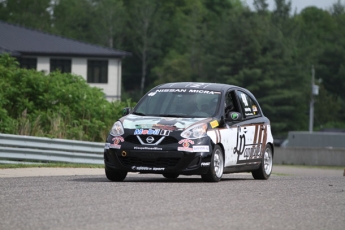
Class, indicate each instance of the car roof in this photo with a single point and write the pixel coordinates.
(197, 85)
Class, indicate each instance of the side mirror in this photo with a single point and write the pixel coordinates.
(233, 116)
(126, 111)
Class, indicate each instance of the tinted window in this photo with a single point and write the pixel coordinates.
(28, 63)
(250, 108)
(63, 65)
(97, 71)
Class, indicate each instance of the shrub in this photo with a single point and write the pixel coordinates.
(57, 105)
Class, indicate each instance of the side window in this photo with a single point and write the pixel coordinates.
(250, 108)
(231, 104)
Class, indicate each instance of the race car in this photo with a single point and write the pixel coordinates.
(188, 128)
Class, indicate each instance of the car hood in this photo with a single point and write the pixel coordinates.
(132, 121)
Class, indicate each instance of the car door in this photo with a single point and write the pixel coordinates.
(229, 132)
(251, 131)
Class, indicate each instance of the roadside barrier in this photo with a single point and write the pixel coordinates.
(28, 149)
(310, 156)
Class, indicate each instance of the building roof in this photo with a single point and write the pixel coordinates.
(17, 41)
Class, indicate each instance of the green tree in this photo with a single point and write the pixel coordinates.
(147, 24)
(29, 13)
(76, 19)
(110, 25)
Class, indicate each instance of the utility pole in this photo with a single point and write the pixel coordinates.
(314, 92)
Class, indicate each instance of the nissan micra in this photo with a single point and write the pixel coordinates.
(187, 128)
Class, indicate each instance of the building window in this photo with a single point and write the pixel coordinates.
(28, 63)
(63, 65)
(97, 71)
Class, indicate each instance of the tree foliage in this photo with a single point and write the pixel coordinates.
(269, 52)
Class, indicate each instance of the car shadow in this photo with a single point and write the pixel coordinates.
(157, 179)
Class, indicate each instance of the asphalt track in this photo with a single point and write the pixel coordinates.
(293, 198)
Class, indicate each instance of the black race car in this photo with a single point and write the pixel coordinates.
(187, 128)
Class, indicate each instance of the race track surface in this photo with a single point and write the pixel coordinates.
(293, 198)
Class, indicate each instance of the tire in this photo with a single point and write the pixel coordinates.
(215, 172)
(265, 170)
(115, 175)
(170, 175)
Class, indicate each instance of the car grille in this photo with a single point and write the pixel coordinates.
(159, 162)
(166, 141)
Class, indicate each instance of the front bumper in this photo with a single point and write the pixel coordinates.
(167, 159)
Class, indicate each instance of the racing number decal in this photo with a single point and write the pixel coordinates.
(240, 142)
(250, 152)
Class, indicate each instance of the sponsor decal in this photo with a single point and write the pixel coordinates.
(144, 168)
(184, 149)
(112, 146)
(166, 91)
(255, 109)
(247, 110)
(116, 142)
(203, 91)
(148, 148)
(244, 99)
(165, 132)
(240, 142)
(205, 164)
(201, 148)
(151, 94)
(214, 124)
(164, 127)
(234, 116)
(147, 132)
(186, 142)
(171, 90)
(252, 151)
(185, 145)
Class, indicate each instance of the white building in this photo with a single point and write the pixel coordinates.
(99, 66)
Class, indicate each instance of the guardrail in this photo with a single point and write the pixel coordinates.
(26, 149)
(20, 149)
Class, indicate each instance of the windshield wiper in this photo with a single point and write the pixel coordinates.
(172, 115)
(141, 114)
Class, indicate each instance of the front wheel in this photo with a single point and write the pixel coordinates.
(215, 172)
(265, 169)
(115, 175)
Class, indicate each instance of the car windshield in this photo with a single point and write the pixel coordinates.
(179, 103)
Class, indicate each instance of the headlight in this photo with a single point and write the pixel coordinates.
(194, 132)
(117, 129)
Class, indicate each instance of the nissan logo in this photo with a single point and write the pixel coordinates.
(150, 139)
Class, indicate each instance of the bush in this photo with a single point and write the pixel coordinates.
(57, 105)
